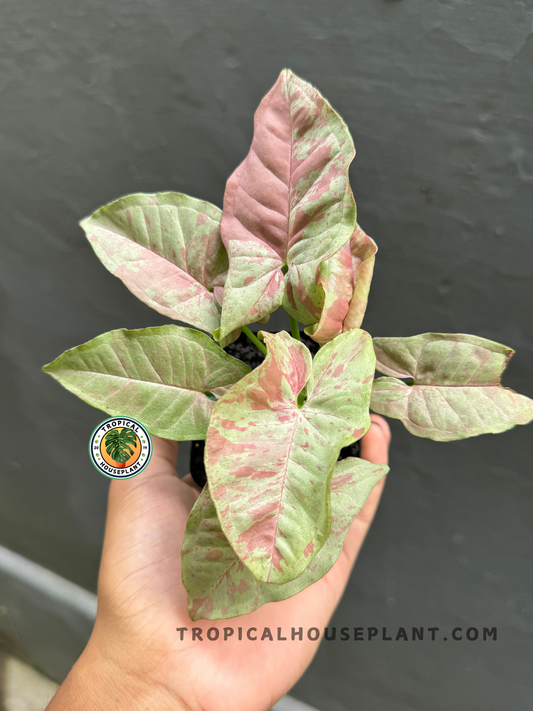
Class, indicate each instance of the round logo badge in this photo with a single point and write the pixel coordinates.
(120, 447)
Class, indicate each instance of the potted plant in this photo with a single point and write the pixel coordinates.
(278, 502)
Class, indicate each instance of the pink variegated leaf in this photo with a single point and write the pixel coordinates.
(455, 389)
(162, 376)
(304, 294)
(167, 250)
(345, 279)
(219, 585)
(270, 456)
(289, 204)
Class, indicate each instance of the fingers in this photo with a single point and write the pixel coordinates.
(164, 459)
(187, 479)
(166, 449)
(156, 489)
(162, 464)
(146, 519)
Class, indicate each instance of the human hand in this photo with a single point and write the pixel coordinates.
(135, 658)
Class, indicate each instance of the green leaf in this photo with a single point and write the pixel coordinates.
(156, 375)
(456, 391)
(167, 250)
(289, 204)
(117, 444)
(269, 461)
(219, 585)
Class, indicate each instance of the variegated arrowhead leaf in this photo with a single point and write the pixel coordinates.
(456, 391)
(269, 461)
(161, 376)
(167, 250)
(221, 586)
(345, 279)
(289, 204)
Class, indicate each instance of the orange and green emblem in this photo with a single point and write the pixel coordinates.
(120, 448)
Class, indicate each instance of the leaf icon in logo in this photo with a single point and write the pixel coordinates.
(120, 444)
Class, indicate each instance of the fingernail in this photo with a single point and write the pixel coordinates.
(386, 435)
(375, 422)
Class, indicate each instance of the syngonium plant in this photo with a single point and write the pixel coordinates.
(278, 504)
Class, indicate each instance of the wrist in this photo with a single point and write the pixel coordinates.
(97, 684)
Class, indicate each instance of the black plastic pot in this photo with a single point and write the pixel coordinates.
(244, 350)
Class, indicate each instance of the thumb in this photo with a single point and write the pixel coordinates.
(375, 449)
(375, 444)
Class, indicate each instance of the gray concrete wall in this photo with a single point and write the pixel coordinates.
(105, 97)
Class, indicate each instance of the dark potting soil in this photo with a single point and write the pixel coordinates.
(245, 350)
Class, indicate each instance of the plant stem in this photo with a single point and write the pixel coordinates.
(254, 339)
(295, 329)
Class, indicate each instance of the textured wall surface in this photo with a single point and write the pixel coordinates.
(105, 97)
